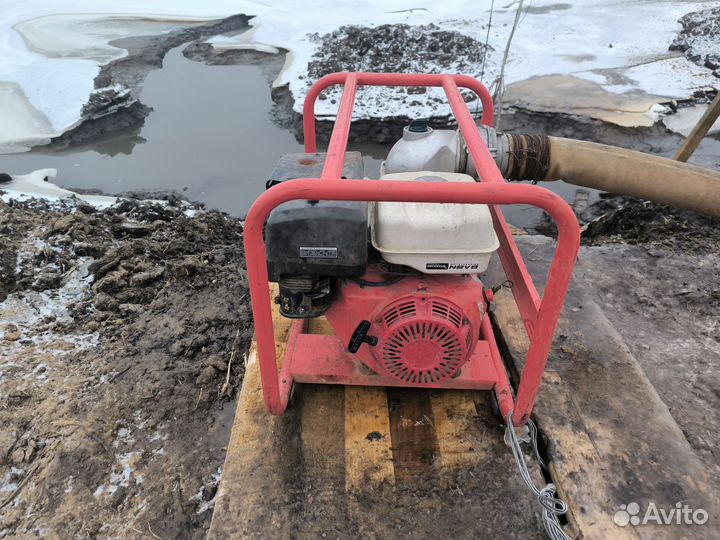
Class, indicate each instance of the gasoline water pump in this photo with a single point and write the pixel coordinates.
(394, 264)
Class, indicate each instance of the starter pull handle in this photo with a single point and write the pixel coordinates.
(360, 336)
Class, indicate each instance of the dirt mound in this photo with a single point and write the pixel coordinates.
(632, 221)
(115, 386)
(396, 48)
(700, 38)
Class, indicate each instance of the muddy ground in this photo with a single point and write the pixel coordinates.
(624, 220)
(656, 273)
(665, 303)
(118, 325)
(116, 386)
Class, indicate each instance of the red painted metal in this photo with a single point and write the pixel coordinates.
(335, 158)
(502, 389)
(526, 296)
(309, 361)
(325, 360)
(446, 302)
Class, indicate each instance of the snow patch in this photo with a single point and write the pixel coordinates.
(668, 77)
(124, 436)
(207, 505)
(36, 184)
(9, 482)
(51, 52)
(244, 41)
(29, 308)
(685, 119)
(122, 474)
(30, 317)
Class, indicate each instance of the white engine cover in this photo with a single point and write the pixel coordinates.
(433, 238)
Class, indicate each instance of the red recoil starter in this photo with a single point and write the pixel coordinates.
(421, 330)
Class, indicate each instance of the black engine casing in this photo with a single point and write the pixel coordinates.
(317, 238)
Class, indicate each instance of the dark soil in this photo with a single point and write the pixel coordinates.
(114, 405)
(632, 221)
(395, 48)
(388, 48)
(700, 38)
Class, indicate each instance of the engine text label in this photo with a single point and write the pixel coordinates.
(452, 266)
(319, 252)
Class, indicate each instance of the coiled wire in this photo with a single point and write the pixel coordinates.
(552, 506)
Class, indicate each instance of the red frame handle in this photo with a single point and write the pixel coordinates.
(341, 131)
(540, 316)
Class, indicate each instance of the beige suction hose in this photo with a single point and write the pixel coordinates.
(611, 169)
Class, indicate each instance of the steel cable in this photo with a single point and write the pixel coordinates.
(552, 506)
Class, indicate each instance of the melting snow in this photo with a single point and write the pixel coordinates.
(24, 312)
(124, 436)
(37, 185)
(123, 472)
(50, 52)
(207, 505)
(9, 482)
(28, 308)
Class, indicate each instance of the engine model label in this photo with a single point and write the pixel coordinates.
(319, 252)
(452, 266)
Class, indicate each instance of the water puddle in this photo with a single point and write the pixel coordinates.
(210, 136)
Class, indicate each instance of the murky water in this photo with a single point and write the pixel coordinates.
(210, 136)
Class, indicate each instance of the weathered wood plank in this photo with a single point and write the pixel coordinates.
(255, 455)
(368, 450)
(415, 450)
(611, 439)
(460, 436)
(321, 464)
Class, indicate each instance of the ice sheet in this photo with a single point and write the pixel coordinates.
(52, 51)
(37, 184)
(21, 125)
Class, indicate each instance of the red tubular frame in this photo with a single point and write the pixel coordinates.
(539, 315)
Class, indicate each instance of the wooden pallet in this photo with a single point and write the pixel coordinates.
(369, 462)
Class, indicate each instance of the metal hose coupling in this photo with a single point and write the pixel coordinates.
(525, 157)
(519, 157)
